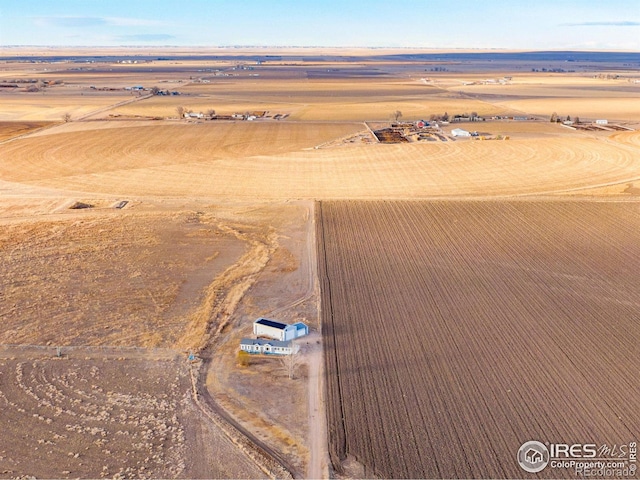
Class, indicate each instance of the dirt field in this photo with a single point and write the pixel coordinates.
(160, 274)
(51, 107)
(456, 331)
(313, 100)
(227, 161)
(104, 150)
(13, 129)
(115, 413)
(285, 289)
(218, 229)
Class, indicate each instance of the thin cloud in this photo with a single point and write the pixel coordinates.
(145, 37)
(133, 22)
(602, 24)
(70, 21)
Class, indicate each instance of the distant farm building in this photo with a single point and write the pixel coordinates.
(602, 122)
(458, 132)
(268, 347)
(263, 327)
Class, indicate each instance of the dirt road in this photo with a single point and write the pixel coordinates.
(319, 454)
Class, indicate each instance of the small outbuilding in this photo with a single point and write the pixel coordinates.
(602, 122)
(268, 347)
(264, 327)
(458, 132)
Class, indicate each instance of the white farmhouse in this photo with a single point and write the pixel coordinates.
(602, 122)
(269, 347)
(458, 132)
(263, 327)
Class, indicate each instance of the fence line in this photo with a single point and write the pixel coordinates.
(103, 350)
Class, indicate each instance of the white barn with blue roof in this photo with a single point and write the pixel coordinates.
(263, 327)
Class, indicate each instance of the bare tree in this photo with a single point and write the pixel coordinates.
(554, 117)
(290, 363)
(397, 115)
(211, 113)
(66, 117)
(180, 111)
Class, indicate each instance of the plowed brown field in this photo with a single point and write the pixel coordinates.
(456, 331)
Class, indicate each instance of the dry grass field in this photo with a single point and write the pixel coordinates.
(587, 97)
(13, 129)
(115, 278)
(33, 107)
(157, 274)
(227, 160)
(103, 150)
(456, 331)
(219, 229)
(315, 99)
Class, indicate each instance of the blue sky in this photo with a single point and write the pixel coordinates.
(512, 24)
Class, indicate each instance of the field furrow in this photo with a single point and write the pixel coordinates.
(238, 160)
(456, 331)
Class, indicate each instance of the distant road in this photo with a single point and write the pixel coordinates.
(111, 107)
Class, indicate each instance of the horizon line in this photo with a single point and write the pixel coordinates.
(342, 47)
